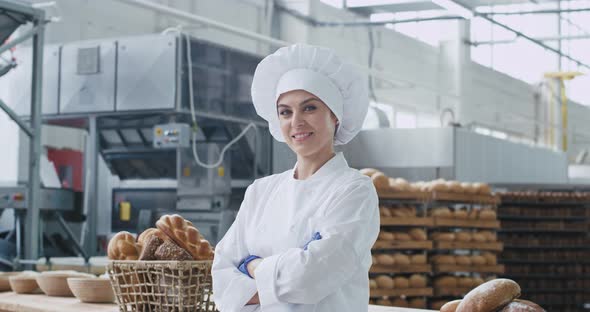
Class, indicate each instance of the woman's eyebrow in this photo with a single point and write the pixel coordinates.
(302, 103)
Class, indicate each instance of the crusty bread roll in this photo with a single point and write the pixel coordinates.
(478, 260)
(399, 185)
(385, 259)
(384, 211)
(384, 281)
(417, 303)
(484, 189)
(464, 282)
(186, 236)
(479, 238)
(477, 281)
(522, 306)
(450, 306)
(445, 282)
(487, 214)
(402, 237)
(460, 214)
(465, 187)
(369, 172)
(441, 212)
(417, 281)
(380, 180)
(444, 259)
(123, 247)
(386, 236)
(418, 259)
(418, 234)
(372, 284)
(401, 282)
(491, 259)
(399, 302)
(463, 236)
(401, 259)
(490, 296)
(443, 237)
(473, 214)
(490, 236)
(403, 211)
(463, 260)
(439, 186)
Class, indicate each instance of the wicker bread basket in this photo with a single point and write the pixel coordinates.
(162, 285)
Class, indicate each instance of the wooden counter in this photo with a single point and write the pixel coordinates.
(11, 302)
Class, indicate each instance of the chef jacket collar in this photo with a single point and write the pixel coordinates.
(335, 164)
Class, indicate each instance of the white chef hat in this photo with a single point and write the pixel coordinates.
(318, 71)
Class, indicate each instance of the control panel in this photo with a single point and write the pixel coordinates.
(172, 135)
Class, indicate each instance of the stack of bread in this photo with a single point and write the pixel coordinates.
(398, 211)
(485, 258)
(412, 235)
(399, 259)
(484, 236)
(496, 295)
(174, 238)
(463, 213)
(385, 183)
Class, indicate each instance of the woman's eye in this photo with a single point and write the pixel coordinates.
(309, 108)
(284, 112)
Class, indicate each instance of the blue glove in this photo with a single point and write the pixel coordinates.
(316, 236)
(243, 266)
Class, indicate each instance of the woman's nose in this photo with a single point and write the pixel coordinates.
(297, 120)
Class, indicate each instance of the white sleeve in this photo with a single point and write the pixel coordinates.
(349, 229)
(231, 288)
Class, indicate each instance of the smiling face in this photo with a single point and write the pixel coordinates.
(307, 124)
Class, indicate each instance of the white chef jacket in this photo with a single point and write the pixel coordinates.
(278, 216)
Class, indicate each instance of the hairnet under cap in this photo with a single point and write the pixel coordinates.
(318, 71)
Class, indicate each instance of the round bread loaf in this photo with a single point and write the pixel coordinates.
(418, 234)
(401, 282)
(385, 259)
(402, 237)
(444, 237)
(386, 236)
(441, 212)
(380, 180)
(384, 211)
(369, 172)
(463, 260)
(123, 247)
(463, 236)
(401, 259)
(445, 281)
(491, 259)
(418, 259)
(478, 260)
(479, 238)
(487, 214)
(460, 214)
(372, 284)
(464, 282)
(490, 296)
(417, 281)
(522, 306)
(444, 259)
(490, 236)
(473, 214)
(450, 306)
(384, 281)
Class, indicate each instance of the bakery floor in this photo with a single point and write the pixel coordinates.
(12, 302)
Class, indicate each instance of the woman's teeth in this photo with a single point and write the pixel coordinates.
(303, 135)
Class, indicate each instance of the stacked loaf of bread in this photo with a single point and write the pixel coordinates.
(496, 295)
(385, 183)
(174, 238)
